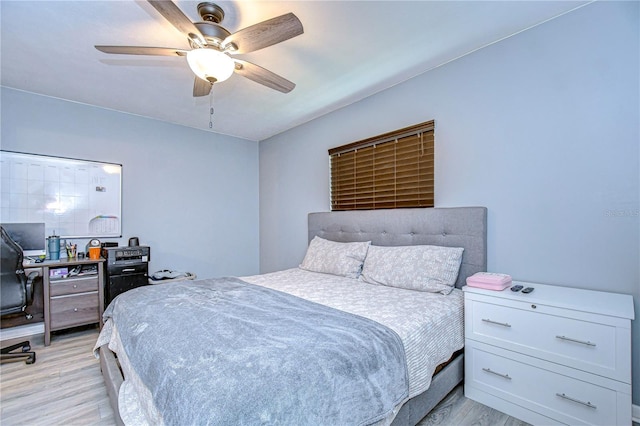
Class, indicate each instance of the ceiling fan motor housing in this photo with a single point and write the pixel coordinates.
(213, 33)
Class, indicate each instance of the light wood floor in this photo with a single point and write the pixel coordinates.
(456, 410)
(65, 387)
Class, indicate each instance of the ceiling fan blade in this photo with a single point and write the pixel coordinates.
(174, 15)
(201, 87)
(265, 77)
(264, 34)
(141, 50)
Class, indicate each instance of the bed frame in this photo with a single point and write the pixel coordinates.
(453, 227)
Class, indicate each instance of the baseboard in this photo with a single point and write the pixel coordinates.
(635, 413)
(21, 331)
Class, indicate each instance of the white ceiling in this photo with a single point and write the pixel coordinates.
(349, 50)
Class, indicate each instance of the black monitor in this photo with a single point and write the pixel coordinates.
(30, 236)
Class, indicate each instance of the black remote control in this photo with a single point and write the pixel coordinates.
(516, 288)
(527, 290)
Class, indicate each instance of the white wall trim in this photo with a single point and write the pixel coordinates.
(22, 331)
(635, 413)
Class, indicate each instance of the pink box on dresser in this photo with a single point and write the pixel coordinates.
(489, 280)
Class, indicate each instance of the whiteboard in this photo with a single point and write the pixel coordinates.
(74, 198)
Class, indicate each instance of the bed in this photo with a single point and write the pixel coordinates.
(402, 393)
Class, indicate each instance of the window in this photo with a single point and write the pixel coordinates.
(393, 170)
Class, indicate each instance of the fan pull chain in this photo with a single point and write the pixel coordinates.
(211, 109)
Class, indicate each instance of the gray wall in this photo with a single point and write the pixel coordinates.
(541, 128)
(190, 195)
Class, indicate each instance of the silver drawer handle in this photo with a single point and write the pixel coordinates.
(75, 309)
(60, 281)
(588, 404)
(576, 341)
(504, 324)
(504, 376)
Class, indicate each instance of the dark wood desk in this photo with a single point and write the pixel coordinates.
(71, 300)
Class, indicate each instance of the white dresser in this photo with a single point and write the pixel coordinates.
(554, 356)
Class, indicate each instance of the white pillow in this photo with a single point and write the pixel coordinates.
(424, 268)
(330, 257)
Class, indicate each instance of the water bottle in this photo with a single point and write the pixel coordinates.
(54, 247)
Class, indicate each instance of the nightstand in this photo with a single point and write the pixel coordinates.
(72, 300)
(557, 355)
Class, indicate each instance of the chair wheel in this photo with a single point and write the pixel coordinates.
(26, 348)
(31, 359)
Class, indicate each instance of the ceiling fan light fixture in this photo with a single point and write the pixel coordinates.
(210, 64)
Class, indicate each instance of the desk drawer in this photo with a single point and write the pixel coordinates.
(73, 285)
(69, 311)
(585, 345)
(559, 396)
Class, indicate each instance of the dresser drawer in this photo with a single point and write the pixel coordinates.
(69, 311)
(73, 285)
(588, 346)
(550, 393)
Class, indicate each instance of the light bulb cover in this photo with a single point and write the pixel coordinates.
(209, 63)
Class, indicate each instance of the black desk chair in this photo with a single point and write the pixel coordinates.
(16, 292)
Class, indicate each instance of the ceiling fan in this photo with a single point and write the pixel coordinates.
(212, 46)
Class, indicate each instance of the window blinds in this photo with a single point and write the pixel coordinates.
(393, 170)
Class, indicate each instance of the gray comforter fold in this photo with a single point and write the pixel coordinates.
(232, 353)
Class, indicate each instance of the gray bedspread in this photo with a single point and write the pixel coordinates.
(232, 353)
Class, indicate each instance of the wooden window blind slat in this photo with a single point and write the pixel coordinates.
(393, 170)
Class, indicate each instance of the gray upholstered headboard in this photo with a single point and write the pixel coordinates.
(453, 227)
